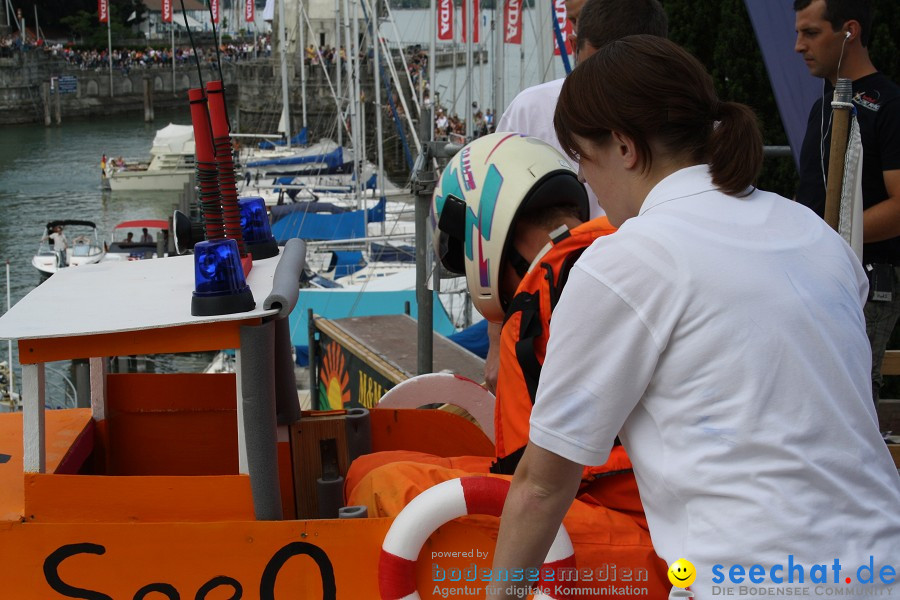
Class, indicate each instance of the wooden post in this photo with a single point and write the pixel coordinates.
(98, 367)
(840, 132)
(57, 101)
(148, 100)
(45, 97)
(35, 459)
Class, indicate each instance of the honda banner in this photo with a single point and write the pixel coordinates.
(214, 6)
(167, 11)
(512, 22)
(249, 10)
(445, 19)
(103, 10)
(565, 26)
(476, 20)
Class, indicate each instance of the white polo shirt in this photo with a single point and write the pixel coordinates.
(723, 340)
(531, 113)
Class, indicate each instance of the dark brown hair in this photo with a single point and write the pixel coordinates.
(650, 89)
(603, 21)
(838, 12)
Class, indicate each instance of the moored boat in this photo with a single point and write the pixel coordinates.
(165, 483)
(59, 250)
(170, 167)
(136, 240)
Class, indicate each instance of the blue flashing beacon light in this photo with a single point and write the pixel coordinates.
(255, 226)
(219, 284)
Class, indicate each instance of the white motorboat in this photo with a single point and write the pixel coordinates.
(170, 167)
(137, 240)
(68, 243)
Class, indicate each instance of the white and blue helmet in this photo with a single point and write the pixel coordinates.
(480, 193)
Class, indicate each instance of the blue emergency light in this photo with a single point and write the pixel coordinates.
(219, 284)
(255, 226)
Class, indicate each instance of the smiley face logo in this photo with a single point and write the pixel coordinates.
(682, 573)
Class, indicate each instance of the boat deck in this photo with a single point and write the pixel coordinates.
(71, 432)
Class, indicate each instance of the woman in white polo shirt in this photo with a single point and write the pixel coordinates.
(719, 333)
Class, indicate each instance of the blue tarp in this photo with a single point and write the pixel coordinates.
(346, 262)
(386, 253)
(338, 304)
(795, 89)
(306, 224)
(320, 226)
(474, 338)
(281, 210)
(301, 139)
(333, 159)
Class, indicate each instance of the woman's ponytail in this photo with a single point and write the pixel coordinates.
(735, 148)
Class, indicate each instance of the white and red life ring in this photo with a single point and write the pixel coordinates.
(434, 507)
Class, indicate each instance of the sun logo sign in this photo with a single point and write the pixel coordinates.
(334, 381)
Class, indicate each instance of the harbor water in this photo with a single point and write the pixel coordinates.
(49, 173)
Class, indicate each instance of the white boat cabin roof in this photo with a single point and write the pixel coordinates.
(174, 139)
(122, 296)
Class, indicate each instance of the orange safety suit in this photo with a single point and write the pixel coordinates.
(606, 521)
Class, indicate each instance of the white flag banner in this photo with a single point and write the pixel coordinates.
(269, 10)
(850, 224)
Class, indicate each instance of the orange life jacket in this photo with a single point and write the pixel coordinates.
(523, 344)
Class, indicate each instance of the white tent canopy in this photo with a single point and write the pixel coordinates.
(174, 139)
(194, 24)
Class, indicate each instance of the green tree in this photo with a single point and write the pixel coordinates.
(720, 35)
(89, 32)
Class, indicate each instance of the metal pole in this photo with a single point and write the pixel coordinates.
(12, 371)
(499, 61)
(455, 66)
(301, 25)
(109, 46)
(545, 11)
(480, 54)
(470, 33)
(337, 47)
(37, 27)
(521, 65)
(432, 59)
(313, 359)
(424, 297)
(379, 132)
(359, 144)
(285, 106)
(351, 103)
(172, 27)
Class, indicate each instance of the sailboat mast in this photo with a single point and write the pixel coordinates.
(470, 33)
(285, 105)
(499, 62)
(337, 61)
(545, 26)
(455, 31)
(351, 102)
(301, 7)
(432, 58)
(379, 133)
(359, 138)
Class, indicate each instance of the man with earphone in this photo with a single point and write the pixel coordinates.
(833, 38)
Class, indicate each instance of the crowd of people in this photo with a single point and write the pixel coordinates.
(446, 124)
(137, 58)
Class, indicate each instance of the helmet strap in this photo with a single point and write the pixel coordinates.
(517, 261)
